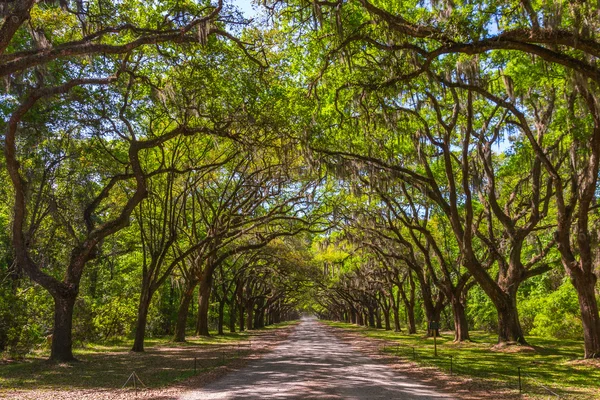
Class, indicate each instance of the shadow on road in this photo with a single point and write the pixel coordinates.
(314, 364)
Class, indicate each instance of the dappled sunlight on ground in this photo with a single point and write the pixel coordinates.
(101, 375)
(313, 364)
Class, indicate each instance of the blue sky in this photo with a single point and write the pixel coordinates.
(245, 6)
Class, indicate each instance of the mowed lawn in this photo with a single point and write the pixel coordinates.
(554, 364)
(109, 365)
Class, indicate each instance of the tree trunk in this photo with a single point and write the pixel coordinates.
(250, 316)
(259, 321)
(395, 300)
(585, 286)
(241, 310)
(410, 316)
(232, 310)
(204, 304)
(397, 327)
(142, 317)
(378, 323)
(386, 319)
(509, 327)
(433, 314)
(461, 326)
(259, 318)
(371, 315)
(221, 317)
(183, 311)
(62, 341)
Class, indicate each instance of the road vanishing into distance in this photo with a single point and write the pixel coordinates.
(313, 364)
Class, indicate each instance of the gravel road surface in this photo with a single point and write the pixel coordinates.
(313, 364)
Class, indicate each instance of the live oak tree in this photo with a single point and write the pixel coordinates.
(382, 72)
(447, 152)
(101, 32)
(446, 40)
(161, 214)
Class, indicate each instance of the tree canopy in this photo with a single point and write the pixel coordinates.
(388, 163)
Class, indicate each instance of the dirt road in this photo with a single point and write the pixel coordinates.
(312, 364)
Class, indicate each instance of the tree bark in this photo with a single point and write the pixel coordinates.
(410, 316)
(461, 326)
(142, 317)
(386, 319)
(221, 317)
(378, 323)
(250, 316)
(277, 313)
(241, 318)
(259, 318)
(509, 327)
(232, 310)
(62, 343)
(18, 15)
(395, 300)
(585, 287)
(371, 316)
(204, 304)
(353, 315)
(258, 323)
(182, 314)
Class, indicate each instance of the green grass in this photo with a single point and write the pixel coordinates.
(553, 363)
(108, 365)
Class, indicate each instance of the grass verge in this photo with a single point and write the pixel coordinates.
(550, 363)
(108, 365)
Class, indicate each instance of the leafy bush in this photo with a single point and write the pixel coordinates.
(481, 311)
(555, 314)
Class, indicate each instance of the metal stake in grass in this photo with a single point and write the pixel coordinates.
(135, 379)
(195, 362)
(450, 365)
(519, 372)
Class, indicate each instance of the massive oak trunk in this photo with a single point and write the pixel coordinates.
(585, 284)
(461, 326)
(509, 327)
(62, 343)
(182, 313)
